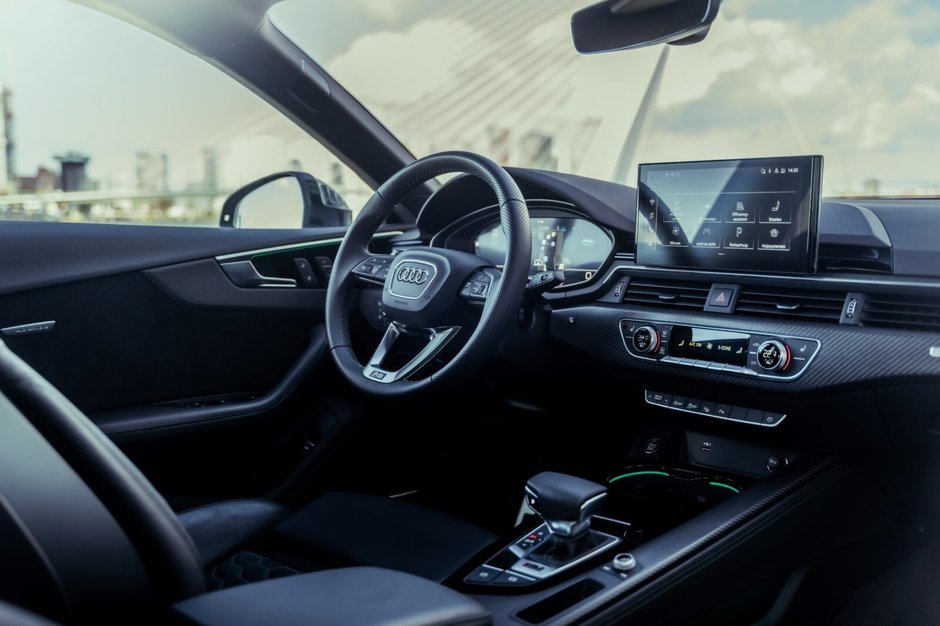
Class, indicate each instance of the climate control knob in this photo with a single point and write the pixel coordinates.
(773, 356)
(646, 339)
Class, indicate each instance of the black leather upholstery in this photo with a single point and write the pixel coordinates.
(560, 496)
(168, 554)
(356, 596)
(14, 616)
(501, 305)
(384, 532)
(220, 528)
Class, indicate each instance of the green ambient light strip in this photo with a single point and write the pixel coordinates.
(658, 473)
(640, 473)
(729, 487)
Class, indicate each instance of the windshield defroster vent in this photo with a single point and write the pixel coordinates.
(791, 304)
(907, 312)
(667, 293)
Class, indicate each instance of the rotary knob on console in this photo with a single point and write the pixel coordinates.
(773, 356)
(646, 340)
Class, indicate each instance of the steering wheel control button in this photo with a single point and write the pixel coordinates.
(375, 268)
(477, 287)
(623, 562)
(483, 575)
(773, 356)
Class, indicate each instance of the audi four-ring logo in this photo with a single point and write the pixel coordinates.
(413, 275)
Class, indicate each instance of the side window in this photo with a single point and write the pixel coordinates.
(103, 122)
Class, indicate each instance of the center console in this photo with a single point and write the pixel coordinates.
(774, 357)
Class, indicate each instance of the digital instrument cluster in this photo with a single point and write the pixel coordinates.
(572, 245)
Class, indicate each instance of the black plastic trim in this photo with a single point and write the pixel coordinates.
(131, 421)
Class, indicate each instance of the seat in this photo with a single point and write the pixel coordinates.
(171, 552)
(345, 529)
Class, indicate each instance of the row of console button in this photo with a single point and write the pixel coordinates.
(709, 365)
(719, 410)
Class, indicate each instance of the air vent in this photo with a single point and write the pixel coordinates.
(791, 304)
(907, 312)
(625, 256)
(861, 259)
(667, 293)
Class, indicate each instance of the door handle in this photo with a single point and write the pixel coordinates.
(245, 274)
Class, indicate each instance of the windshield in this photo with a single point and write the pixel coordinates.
(854, 81)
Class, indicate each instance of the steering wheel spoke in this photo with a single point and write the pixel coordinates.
(428, 292)
(373, 269)
(479, 285)
(436, 339)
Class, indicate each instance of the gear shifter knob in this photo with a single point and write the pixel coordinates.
(566, 503)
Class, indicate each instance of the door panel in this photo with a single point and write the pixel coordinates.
(211, 387)
(38, 254)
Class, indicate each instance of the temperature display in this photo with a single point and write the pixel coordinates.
(717, 346)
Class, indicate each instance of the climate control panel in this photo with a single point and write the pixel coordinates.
(722, 350)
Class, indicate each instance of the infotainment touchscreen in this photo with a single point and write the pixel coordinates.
(754, 215)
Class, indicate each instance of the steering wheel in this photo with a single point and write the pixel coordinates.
(429, 293)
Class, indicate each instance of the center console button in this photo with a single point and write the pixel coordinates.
(511, 579)
(708, 408)
(773, 356)
(772, 419)
(645, 339)
(739, 413)
(483, 575)
(678, 402)
(755, 416)
(723, 410)
(692, 404)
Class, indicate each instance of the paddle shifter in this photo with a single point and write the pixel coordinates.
(566, 503)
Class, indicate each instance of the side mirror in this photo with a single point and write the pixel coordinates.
(625, 24)
(285, 200)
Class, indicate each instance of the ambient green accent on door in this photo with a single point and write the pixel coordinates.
(729, 487)
(640, 473)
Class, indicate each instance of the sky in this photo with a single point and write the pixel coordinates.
(854, 80)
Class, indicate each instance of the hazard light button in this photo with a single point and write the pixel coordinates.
(722, 298)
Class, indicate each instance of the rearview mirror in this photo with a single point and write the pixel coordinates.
(285, 200)
(625, 24)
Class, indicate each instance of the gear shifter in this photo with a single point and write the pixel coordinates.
(566, 503)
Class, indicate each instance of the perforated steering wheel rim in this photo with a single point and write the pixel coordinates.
(503, 298)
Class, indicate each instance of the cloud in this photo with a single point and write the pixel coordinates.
(771, 78)
(809, 85)
(387, 10)
(395, 68)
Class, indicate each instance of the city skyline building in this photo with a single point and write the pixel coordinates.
(153, 171)
(210, 168)
(74, 175)
(7, 144)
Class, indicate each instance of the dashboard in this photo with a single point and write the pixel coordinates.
(846, 306)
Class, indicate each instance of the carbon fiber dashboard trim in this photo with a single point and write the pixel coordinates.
(850, 356)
